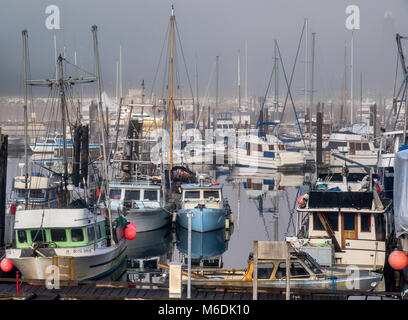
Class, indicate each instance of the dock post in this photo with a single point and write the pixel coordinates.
(255, 273)
(287, 291)
(189, 216)
(175, 280)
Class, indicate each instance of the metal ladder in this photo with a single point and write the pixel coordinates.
(68, 266)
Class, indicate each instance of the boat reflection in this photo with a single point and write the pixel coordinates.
(206, 248)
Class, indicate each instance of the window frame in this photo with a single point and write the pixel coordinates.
(82, 232)
(58, 229)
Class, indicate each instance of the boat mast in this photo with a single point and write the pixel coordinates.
(25, 35)
(239, 89)
(105, 167)
(63, 125)
(306, 74)
(171, 83)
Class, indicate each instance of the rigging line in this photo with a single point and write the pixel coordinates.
(160, 59)
(393, 95)
(290, 94)
(402, 99)
(293, 71)
(206, 96)
(78, 67)
(265, 96)
(184, 60)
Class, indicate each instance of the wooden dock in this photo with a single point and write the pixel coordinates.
(100, 290)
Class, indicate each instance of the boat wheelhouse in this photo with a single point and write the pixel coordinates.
(351, 145)
(43, 192)
(267, 153)
(142, 203)
(76, 238)
(210, 211)
(351, 224)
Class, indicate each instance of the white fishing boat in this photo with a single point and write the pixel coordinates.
(76, 238)
(267, 153)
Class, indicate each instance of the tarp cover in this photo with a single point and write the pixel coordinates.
(401, 197)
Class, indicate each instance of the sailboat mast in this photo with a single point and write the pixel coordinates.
(239, 89)
(105, 167)
(63, 125)
(25, 35)
(171, 83)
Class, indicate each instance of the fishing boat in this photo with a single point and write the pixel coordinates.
(210, 211)
(141, 202)
(76, 238)
(305, 273)
(343, 227)
(77, 241)
(42, 192)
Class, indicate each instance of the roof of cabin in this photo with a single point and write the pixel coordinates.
(54, 218)
(204, 186)
(130, 185)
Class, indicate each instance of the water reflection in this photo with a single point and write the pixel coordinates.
(204, 246)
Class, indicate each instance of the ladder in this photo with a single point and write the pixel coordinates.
(64, 263)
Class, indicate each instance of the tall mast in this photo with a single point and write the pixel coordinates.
(239, 89)
(217, 61)
(306, 74)
(276, 85)
(25, 35)
(117, 82)
(345, 83)
(351, 76)
(171, 84)
(361, 96)
(105, 167)
(311, 91)
(63, 125)
(120, 72)
(246, 73)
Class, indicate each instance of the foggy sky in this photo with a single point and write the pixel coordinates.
(207, 28)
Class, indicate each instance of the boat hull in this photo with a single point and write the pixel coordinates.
(149, 219)
(203, 220)
(104, 263)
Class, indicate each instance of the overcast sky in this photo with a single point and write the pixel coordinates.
(207, 28)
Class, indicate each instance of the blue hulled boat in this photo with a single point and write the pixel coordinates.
(205, 201)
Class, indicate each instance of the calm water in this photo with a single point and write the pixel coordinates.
(258, 215)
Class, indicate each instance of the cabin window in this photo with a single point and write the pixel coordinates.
(260, 147)
(257, 186)
(37, 193)
(271, 148)
(115, 194)
(132, 195)
(22, 236)
(349, 221)
(19, 193)
(336, 144)
(332, 217)
(192, 195)
(91, 234)
(365, 223)
(265, 270)
(281, 147)
(358, 146)
(366, 146)
(211, 193)
(98, 232)
(150, 195)
(50, 141)
(38, 235)
(296, 270)
(379, 222)
(77, 235)
(225, 126)
(58, 235)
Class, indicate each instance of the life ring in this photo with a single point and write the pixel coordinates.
(215, 183)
